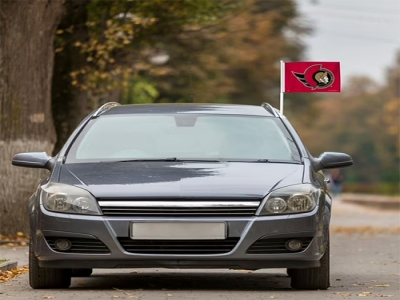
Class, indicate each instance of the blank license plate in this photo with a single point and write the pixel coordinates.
(178, 231)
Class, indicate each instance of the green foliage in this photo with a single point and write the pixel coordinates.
(139, 92)
(376, 188)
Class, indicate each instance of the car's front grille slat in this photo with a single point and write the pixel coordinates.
(178, 246)
(79, 245)
(277, 245)
(176, 208)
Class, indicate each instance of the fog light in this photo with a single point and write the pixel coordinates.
(294, 245)
(63, 245)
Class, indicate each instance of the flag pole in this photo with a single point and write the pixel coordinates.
(282, 86)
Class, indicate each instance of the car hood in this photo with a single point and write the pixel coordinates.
(179, 179)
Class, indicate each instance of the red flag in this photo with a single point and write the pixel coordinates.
(312, 77)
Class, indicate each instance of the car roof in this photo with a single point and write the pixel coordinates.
(193, 108)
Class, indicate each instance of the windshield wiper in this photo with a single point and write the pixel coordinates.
(143, 159)
(166, 159)
(264, 160)
(198, 159)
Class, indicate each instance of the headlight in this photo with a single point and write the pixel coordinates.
(291, 199)
(68, 199)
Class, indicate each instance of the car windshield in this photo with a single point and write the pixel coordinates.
(184, 137)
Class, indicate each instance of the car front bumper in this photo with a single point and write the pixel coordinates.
(247, 229)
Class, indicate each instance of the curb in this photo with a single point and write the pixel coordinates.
(374, 201)
(389, 205)
(8, 265)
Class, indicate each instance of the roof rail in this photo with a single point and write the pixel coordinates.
(270, 109)
(104, 107)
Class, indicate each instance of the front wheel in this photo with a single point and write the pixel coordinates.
(46, 278)
(313, 278)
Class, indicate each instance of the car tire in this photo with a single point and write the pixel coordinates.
(289, 272)
(46, 278)
(81, 272)
(313, 278)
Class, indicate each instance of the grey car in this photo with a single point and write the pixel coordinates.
(181, 186)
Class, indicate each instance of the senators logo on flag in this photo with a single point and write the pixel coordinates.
(305, 77)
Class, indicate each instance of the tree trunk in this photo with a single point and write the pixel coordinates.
(27, 30)
(69, 104)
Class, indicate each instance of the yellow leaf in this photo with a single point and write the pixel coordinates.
(59, 31)
(364, 294)
(77, 44)
(20, 234)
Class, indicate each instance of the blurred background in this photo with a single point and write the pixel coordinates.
(61, 60)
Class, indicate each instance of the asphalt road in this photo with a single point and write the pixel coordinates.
(362, 265)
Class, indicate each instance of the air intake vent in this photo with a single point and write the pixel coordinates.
(276, 246)
(79, 245)
(178, 246)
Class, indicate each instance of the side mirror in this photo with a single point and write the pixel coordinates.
(33, 160)
(332, 160)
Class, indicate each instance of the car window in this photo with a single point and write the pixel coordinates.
(184, 136)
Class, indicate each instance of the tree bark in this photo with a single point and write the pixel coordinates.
(27, 30)
(70, 104)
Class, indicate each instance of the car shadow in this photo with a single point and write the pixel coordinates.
(230, 281)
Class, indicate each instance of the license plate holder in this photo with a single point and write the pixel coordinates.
(178, 230)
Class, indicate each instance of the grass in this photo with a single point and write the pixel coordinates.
(2, 260)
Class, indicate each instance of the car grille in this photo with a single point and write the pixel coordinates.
(178, 246)
(79, 245)
(276, 246)
(178, 208)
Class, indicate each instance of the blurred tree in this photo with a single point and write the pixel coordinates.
(27, 30)
(102, 47)
(237, 59)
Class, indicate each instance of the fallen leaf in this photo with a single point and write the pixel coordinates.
(344, 294)
(364, 294)
(366, 230)
(8, 275)
(384, 296)
(48, 297)
(169, 295)
(382, 285)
